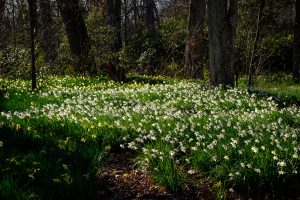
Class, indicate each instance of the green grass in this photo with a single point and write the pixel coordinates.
(53, 141)
(48, 160)
(280, 87)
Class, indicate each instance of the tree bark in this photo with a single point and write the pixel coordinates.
(135, 12)
(71, 12)
(48, 40)
(113, 19)
(2, 7)
(2, 24)
(296, 62)
(271, 9)
(126, 21)
(33, 19)
(149, 17)
(194, 51)
(222, 16)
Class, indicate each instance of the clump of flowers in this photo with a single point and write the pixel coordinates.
(230, 134)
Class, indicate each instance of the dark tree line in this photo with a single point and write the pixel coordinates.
(218, 36)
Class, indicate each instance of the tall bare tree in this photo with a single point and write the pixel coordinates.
(222, 17)
(255, 42)
(194, 51)
(296, 63)
(33, 20)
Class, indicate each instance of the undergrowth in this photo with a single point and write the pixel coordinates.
(54, 140)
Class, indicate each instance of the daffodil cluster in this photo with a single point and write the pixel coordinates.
(232, 135)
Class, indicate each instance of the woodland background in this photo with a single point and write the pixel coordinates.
(142, 36)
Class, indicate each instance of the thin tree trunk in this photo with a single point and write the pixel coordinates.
(135, 12)
(14, 24)
(296, 63)
(156, 15)
(222, 16)
(256, 38)
(126, 22)
(2, 24)
(194, 51)
(33, 20)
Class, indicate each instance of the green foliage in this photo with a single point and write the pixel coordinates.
(274, 53)
(101, 36)
(51, 158)
(173, 32)
(279, 45)
(65, 58)
(279, 86)
(144, 52)
(152, 80)
(156, 52)
(15, 62)
(280, 51)
(48, 158)
(165, 173)
(53, 141)
(164, 169)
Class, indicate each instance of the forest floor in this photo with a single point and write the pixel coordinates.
(121, 179)
(147, 137)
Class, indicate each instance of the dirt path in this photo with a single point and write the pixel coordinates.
(120, 180)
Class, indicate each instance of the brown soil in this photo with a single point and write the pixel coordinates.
(120, 179)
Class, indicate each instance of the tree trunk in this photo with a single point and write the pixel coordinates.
(135, 12)
(3, 29)
(113, 19)
(33, 19)
(2, 7)
(71, 12)
(222, 16)
(48, 40)
(271, 9)
(149, 17)
(296, 63)
(126, 22)
(194, 51)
